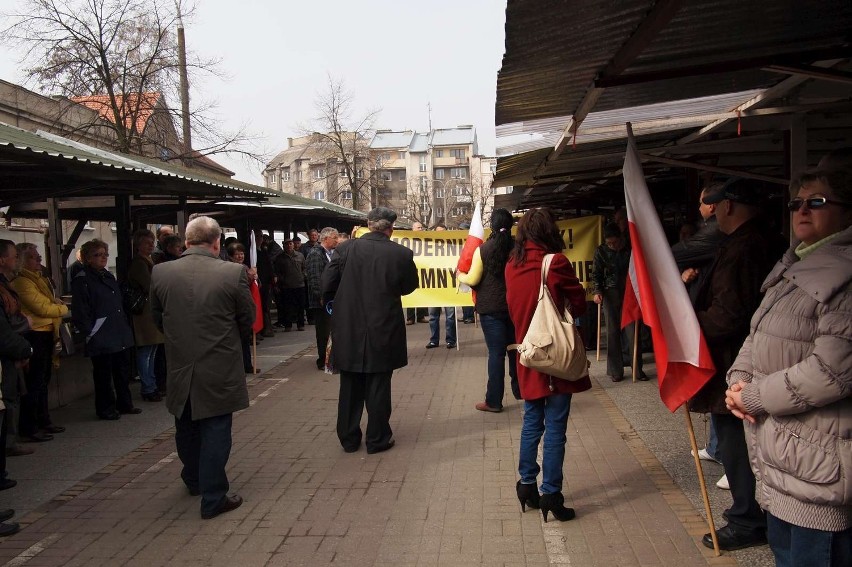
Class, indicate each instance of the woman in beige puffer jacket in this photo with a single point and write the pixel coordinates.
(792, 382)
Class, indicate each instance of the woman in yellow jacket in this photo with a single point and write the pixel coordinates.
(45, 311)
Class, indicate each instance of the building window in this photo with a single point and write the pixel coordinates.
(439, 153)
(458, 191)
(360, 174)
(400, 175)
(439, 174)
(460, 211)
(319, 173)
(272, 179)
(346, 195)
(319, 195)
(458, 153)
(342, 172)
(386, 156)
(493, 168)
(298, 176)
(439, 210)
(422, 182)
(458, 173)
(439, 192)
(424, 200)
(401, 155)
(385, 175)
(402, 195)
(423, 163)
(285, 175)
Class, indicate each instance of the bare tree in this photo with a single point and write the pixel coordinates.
(419, 202)
(120, 58)
(343, 142)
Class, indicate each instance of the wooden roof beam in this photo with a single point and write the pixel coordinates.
(714, 169)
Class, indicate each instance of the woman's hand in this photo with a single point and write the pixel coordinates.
(597, 298)
(252, 274)
(734, 402)
(688, 275)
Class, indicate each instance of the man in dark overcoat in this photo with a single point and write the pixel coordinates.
(366, 278)
(203, 307)
(725, 301)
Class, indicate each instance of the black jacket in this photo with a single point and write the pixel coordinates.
(96, 295)
(13, 347)
(491, 289)
(366, 278)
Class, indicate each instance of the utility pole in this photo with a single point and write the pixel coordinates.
(184, 91)
(429, 109)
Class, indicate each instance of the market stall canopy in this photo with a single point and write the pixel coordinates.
(712, 86)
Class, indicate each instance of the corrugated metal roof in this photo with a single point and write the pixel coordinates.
(56, 146)
(547, 73)
(391, 140)
(646, 119)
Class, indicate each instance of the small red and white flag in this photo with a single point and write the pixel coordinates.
(475, 237)
(255, 288)
(656, 294)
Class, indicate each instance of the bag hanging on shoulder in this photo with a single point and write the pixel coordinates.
(552, 344)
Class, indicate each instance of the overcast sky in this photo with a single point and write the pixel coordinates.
(394, 55)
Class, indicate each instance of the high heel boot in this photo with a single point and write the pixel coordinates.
(527, 494)
(555, 503)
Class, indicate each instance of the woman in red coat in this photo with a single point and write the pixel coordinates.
(547, 400)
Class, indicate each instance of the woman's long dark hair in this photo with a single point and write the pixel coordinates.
(501, 234)
(539, 226)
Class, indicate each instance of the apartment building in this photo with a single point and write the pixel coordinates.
(433, 177)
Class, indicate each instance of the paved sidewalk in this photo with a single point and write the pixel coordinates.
(443, 496)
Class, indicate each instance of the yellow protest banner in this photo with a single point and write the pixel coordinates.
(436, 254)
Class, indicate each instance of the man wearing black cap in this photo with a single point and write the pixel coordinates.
(724, 304)
(365, 279)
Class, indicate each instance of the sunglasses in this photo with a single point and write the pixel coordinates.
(814, 203)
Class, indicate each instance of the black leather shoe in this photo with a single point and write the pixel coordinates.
(381, 448)
(112, 416)
(642, 377)
(731, 539)
(6, 514)
(451, 345)
(351, 449)
(8, 483)
(227, 504)
(131, 411)
(432, 345)
(54, 429)
(616, 378)
(152, 397)
(9, 529)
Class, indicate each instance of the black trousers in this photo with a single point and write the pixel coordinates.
(35, 412)
(160, 368)
(322, 320)
(744, 514)
(294, 306)
(265, 306)
(204, 446)
(3, 434)
(112, 371)
(357, 390)
(616, 338)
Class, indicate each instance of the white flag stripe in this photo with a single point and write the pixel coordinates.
(677, 317)
(476, 228)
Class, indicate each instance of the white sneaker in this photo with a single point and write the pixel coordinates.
(723, 483)
(704, 455)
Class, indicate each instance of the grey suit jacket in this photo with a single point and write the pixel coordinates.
(203, 306)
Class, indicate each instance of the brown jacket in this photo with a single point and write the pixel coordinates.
(798, 360)
(726, 300)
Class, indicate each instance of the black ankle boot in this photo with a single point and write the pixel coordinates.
(555, 503)
(527, 494)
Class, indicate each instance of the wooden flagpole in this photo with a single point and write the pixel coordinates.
(598, 356)
(254, 353)
(635, 348)
(701, 482)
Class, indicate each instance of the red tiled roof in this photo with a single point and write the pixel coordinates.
(101, 104)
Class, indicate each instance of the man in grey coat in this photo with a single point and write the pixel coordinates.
(203, 306)
(366, 278)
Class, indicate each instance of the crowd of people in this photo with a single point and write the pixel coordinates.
(778, 331)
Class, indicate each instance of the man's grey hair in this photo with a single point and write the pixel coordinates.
(202, 230)
(380, 225)
(327, 232)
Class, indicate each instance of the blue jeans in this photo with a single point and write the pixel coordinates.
(795, 546)
(549, 417)
(204, 446)
(499, 333)
(434, 322)
(145, 363)
(713, 441)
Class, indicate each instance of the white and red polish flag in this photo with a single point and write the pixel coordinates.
(656, 293)
(475, 237)
(254, 288)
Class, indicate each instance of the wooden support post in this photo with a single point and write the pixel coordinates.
(54, 243)
(122, 236)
